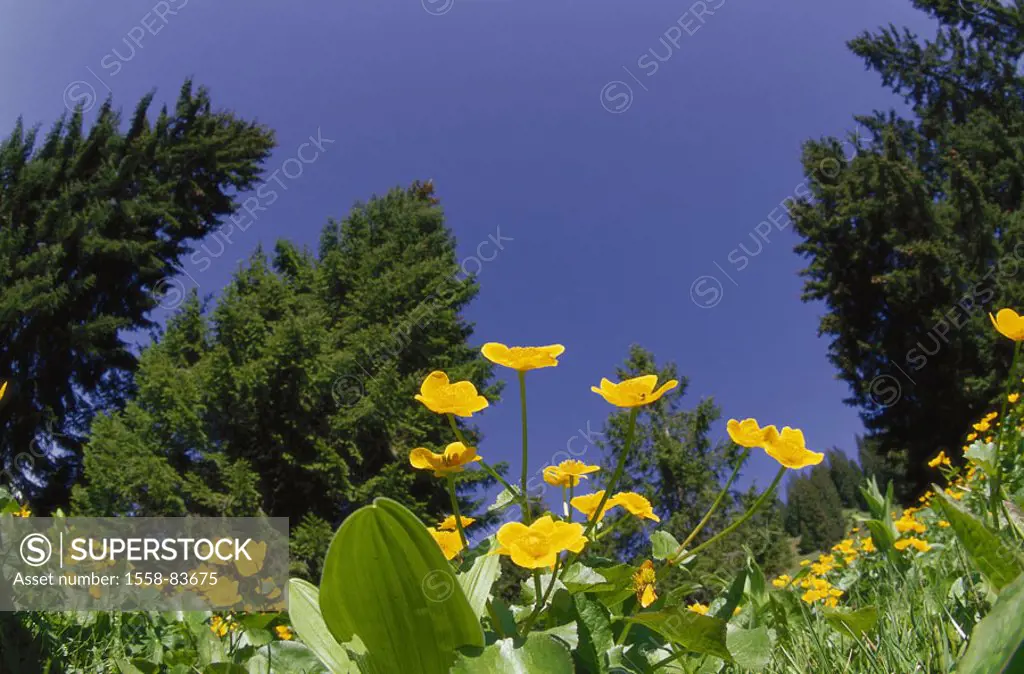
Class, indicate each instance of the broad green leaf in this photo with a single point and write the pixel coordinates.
(751, 649)
(692, 631)
(595, 633)
(997, 643)
(505, 499)
(539, 654)
(292, 656)
(883, 538)
(477, 582)
(224, 668)
(502, 620)
(579, 577)
(757, 584)
(567, 633)
(733, 597)
(999, 563)
(983, 454)
(663, 545)
(304, 610)
(386, 581)
(845, 621)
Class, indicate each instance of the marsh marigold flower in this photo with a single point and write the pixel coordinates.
(790, 450)
(635, 503)
(537, 546)
(441, 396)
(522, 358)
(633, 392)
(781, 581)
(643, 584)
(748, 433)
(916, 543)
(908, 523)
(1009, 324)
(867, 545)
(1013, 397)
(454, 460)
(568, 473)
(698, 607)
(284, 633)
(449, 523)
(940, 460)
(587, 504)
(449, 541)
(23, 511)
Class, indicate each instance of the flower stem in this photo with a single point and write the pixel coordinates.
(618, 472)
(455, 510)
(483, 464)
(522, 400)
(997, 479)
(543, 600)
(712, 509)
(747, 515)
(568, 503)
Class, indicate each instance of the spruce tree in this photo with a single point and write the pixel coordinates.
(92, 223)
(814, 512)
(847, 477)
(914, 233)
(294, 394)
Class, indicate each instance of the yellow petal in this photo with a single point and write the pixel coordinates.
(648, 597)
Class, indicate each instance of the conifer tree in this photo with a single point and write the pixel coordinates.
(294, 394)
(92, 223)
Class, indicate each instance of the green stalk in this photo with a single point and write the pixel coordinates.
(746, 516)
(568, 503)
(455, 510)
(618, 472)
(712, 509)
(540, 603)
(483, 464)
(997, 479)
(522, 401)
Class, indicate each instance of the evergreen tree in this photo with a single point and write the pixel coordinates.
(294, 395)
(916, 235)
(847, 477)
(814, 512)
(92, 222)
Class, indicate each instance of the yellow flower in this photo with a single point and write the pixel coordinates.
(643, 584)
(943, 524)
(845, 547)
(248, 567)
(867, 545)
(804, 562)
(454, 460)
(954, 494)
(23, 511)
(907, 523)
(460, 398)
(781, 581)
(568, 473)
(218, 626)
(697, 607)
(790, 450)
(635, 504)
(587, 504)
(940, 460)
(284, 632)
(449, 523)
(1009, 324)
(3, 390)
(633, 392)
(971, 437)
(1013, 397)
(522, 358)
(916, 543)
(748, 433)
(537, 546)
(449, 541)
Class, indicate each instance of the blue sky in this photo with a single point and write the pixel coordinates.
(622, 150)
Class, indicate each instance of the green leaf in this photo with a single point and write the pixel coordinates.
(502, 620)
(997, 643)
(693, 631)
(477, 582)
(845, 621)
(539, 654)
(750, 649)
(304, 610)
(580, 577)
(224, 668)
(757, 584)
(999, 563)
(292, 656)
(883, 538)
(505, 499)
(566, 633)
(386, 581)
(595, 633)
(983, 454)
(733, 597)
(663, 545)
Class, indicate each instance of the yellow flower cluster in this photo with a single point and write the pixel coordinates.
(819, 589)
(284, 633)
(221, 626)
(634, 503)
(787, 447)
(643, 584)
(846, 548)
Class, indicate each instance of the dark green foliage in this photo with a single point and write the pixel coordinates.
(814, 512)
(294, 395)
(914, 236)
(847, 477)
(92, 223)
